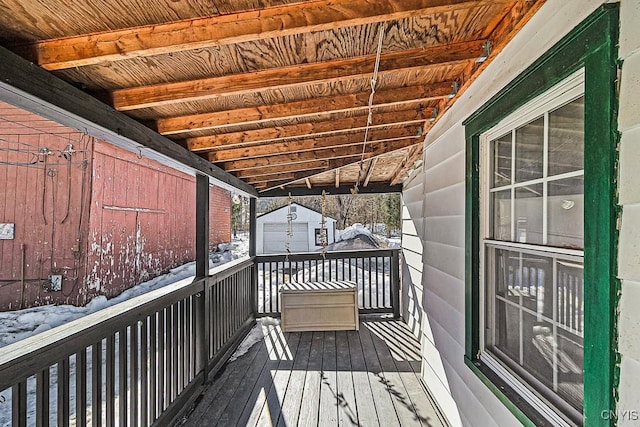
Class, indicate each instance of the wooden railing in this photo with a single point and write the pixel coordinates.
(375, 271)
(139, 362)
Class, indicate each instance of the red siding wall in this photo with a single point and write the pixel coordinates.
(219, 216)
(138, 219)
(43, 200)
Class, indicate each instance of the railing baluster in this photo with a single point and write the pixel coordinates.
(42, 398)
(63, 392)
(175, 362)
(96, 384)
(182, 354)
(19, 404)
(161, 386)
(144, 372)
(81, 388)
(122, 376)
(134, 399)
(110, 381)
(153, 371)
(189, 367)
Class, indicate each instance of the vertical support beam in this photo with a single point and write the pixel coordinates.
(253, 235)
(202, 225)
(395, 283)
(252, 226)
(201, 309)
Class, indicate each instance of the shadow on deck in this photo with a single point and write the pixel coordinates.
(364, 378)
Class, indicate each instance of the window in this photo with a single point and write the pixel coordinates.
(533, 248)
(540, 279)
(321, 236)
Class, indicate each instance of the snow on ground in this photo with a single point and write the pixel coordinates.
(260, 330)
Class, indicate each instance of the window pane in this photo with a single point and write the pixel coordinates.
(537, 285)
(501, 208)
(508, 329)
(565, 222)
(528, 214)
(502, 161)
(507, 274)
(537, 348)
(570, 331)
(529, 151)
(566, 138)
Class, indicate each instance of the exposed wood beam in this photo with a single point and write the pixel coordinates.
(324, 154)
(307, 130)
(310, 144)
(200, 33)
(413, 155)
(268, 178)
(299, 109)
(370, 168)
(295, 75)
(512, 22)
(30, 87)
(337, 177)
(334, 164)
(317, 190)
(346, 137)
(306, 180)
(277, 169)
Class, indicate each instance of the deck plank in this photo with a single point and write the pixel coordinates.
(409, 370)
(366, 408)
(381, 394)
(311, 393)
(239, 398)
(328, 411)
(272, 408)
(222, 387)
(347, 408)
(365, 378)
(292, 399)
(397, 374)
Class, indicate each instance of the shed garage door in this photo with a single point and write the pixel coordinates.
(275, 236)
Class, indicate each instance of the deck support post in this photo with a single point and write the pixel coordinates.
(201, 309)
(395, 283)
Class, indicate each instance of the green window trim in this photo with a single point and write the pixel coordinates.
(592, 45)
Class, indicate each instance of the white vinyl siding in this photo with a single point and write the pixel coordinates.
(463, 398)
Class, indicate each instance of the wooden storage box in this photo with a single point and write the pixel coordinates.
(319, 306)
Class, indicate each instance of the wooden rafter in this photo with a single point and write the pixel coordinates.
(307, 130)
(411, 157)
(499, 35)
(310, 144)
(334, 164)
(295, 75)
(277, 169)
(228, 29)
(324, 154)
(307, 108)
(370, 168)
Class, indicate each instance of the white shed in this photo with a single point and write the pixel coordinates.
(271, 230)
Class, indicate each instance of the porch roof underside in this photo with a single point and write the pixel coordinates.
(262, 95)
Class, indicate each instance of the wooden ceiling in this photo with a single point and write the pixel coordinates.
(276, 92)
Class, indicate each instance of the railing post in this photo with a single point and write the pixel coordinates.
(201, 300)
(395, 283)
(252, 253)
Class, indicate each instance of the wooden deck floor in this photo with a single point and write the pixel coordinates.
(365, 378)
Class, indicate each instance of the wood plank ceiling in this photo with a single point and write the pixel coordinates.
(276, 92)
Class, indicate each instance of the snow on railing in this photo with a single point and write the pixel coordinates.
(135, 363)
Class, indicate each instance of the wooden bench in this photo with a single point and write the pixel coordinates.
(319, 306)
